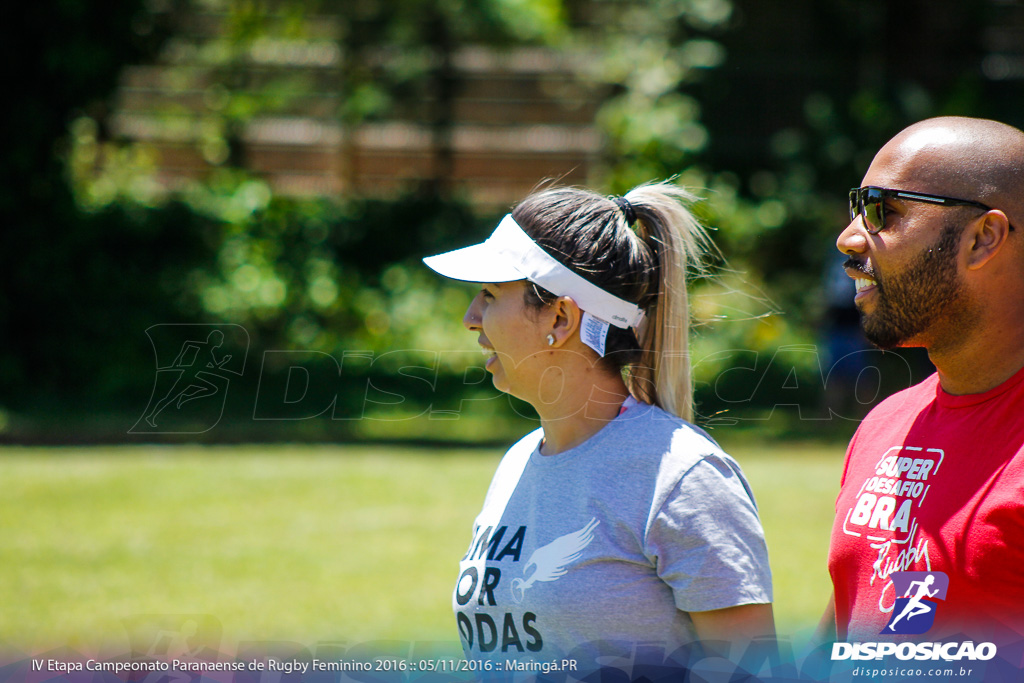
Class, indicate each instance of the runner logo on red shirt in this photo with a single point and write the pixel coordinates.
(917, 593)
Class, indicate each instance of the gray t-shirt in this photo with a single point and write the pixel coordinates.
(615, 541)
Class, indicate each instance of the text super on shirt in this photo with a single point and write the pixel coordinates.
(614, 540)
(934, 483)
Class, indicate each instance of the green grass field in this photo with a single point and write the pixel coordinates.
(303, 544)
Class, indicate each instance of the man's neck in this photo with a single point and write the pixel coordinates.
(987, 357)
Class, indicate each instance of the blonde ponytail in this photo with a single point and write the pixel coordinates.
(594, 236)
(663, 376)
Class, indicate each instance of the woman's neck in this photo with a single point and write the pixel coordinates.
(581, 413)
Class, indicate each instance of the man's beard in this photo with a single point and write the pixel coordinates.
(910, 301)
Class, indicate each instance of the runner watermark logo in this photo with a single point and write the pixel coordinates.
(917, 594)
(194, 368)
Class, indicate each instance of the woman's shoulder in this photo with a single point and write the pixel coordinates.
(657, 431)
(679, 456)
(681, 447)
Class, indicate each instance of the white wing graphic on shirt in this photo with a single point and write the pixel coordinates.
(549, 562)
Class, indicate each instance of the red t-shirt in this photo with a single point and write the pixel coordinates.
(934, 482)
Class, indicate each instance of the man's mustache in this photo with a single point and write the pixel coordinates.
(853, 264)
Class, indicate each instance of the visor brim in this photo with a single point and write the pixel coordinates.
(476, 263)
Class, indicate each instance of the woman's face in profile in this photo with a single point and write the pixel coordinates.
(512, 337)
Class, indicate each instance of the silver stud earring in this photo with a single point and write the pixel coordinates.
(551, 340)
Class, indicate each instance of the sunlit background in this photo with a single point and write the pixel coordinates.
(275, 170)
(282, 166)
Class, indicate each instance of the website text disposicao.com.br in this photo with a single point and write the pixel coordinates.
(901, 672)
(911, 658)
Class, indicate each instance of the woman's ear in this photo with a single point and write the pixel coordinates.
(565, 319)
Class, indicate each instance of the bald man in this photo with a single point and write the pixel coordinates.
(934, 477)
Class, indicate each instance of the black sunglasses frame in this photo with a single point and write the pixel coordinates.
(870, 195)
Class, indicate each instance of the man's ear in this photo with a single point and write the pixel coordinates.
(986, 235)
(565, 319)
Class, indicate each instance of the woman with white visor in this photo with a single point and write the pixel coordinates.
(617, 529)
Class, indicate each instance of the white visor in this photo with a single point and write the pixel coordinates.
(510, 254)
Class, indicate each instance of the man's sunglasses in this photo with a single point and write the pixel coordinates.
(869, 202)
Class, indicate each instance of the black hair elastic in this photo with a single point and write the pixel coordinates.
(626, 208)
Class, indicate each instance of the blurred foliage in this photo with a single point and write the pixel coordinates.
(100, 250)
(648, 55)
(74, 285)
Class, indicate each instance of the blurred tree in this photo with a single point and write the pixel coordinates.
(647, 57)
(807, 93)
(310, 273)
(399, 61)
(774, 107)
(69, 280)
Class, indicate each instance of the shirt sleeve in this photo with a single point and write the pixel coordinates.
(706, 540)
